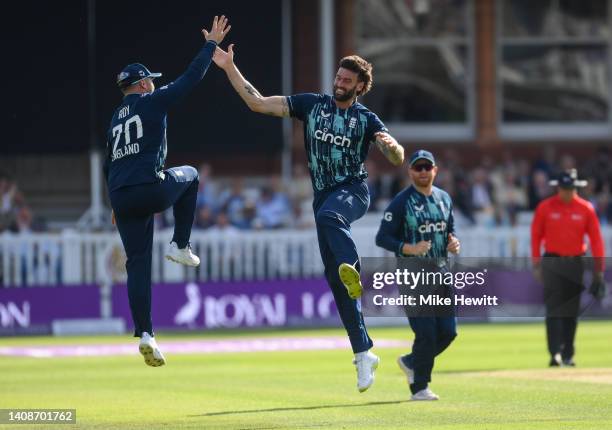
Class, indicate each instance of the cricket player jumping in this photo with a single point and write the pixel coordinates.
(139, 186)
(338, 132)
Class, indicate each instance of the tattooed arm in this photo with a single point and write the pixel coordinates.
(275, 105)
(393, 151)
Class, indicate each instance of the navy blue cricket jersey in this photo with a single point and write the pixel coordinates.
(337, 140)
(136, 140)
(412, 217)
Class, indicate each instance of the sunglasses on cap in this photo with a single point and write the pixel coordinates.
(428, 167)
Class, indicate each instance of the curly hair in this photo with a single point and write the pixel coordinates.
(358, 65)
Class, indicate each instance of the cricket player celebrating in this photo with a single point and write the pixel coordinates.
(419, 223)
(338, 132)
(138, 185)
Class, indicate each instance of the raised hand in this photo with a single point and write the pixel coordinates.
(218, 30)
(224, 59)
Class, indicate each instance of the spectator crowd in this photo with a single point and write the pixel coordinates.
(485, 192)
(15, 214)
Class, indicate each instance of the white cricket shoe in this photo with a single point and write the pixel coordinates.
(365, 363)
(425, 394)
(351, 280)
(182, 256)
(408, 371)
(150, 351)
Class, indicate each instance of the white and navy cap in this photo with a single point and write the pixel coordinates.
(133, 73)
(568, 179)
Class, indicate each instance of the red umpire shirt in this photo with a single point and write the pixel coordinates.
(562, 227)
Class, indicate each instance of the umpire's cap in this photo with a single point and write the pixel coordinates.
(133, 73)
(568, 179)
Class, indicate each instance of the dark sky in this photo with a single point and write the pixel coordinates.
(46, 71)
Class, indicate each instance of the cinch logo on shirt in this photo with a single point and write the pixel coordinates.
(432, 227)
(325, 136)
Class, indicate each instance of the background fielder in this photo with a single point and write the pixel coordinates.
(419, 223)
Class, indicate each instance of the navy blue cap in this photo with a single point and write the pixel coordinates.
(133, 73)
(421, 154)
(568, 179)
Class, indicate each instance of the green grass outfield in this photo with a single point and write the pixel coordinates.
(493, 377)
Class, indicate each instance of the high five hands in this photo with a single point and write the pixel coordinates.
(224, 59)
(218, 30)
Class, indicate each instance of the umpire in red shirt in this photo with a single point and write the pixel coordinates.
(560, 223)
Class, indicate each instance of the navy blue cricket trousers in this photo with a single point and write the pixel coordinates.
(432, 335)
(334, 211)
(134, 208)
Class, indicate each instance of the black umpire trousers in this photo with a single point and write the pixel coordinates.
(563, 285)
(134, 208)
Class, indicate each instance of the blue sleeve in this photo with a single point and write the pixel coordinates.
(374, 126)
(300, 105)
(174, 91)
(389, 233)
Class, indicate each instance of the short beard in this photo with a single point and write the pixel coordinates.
(423, 183)
(349, 95)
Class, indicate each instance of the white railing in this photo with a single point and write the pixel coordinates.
(75, 258)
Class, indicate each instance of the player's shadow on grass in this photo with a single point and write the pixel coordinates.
(302, 408)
